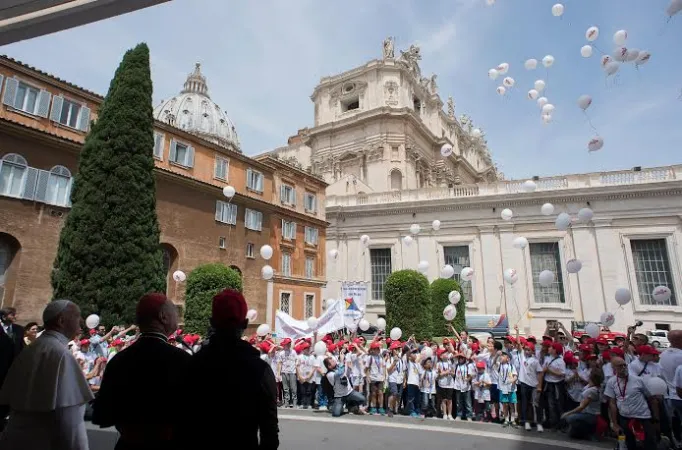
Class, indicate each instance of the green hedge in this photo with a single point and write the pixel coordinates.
(203, 283)
(440, 289)
(408, 303)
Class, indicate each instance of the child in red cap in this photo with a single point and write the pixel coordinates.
(481, 385)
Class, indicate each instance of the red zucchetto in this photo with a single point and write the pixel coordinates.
(149, 306)
(229, 309)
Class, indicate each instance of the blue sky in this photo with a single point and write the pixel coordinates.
(263, 59)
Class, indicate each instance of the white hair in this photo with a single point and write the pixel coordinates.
(54, 309)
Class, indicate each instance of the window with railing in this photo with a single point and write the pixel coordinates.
(18, 180)
(652, 269)
(226, 212)
(310, 267)
(253, 220)
(311, 235)
(309, 305)
(380, 265)
(546, 256)
(288, 230)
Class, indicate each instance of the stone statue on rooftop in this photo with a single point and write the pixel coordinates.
(389, 52)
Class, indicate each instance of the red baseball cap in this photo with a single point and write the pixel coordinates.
(530, 346)
(396, 345)
(510, 339)
(480, 365)
(602, 341)
(558, 348)
(331, 347)
(647, 350)
(375, 344)
(85, 342)
(617, 352)
(285, 341)
(229, 309)
(547, 338)
(117, 342)
(532, 338)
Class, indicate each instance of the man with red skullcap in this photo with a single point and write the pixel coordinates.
(231, 384)
(139, 384)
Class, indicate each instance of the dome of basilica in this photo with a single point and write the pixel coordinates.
(194, 111)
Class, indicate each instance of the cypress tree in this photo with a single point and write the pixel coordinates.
(109, 253)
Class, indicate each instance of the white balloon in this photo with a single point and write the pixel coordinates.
(363, 325)
(450, 312)
(454, 297)
(607, 319)
(476, 132)
(605, 60)
(592, 34)
(446, 150)
(503, 68)
(592, 330)
(251, 315)
(407, 240)
(313, 322)
(548, 61)
(266, 252)
(531, 64)
(381, 324)
(533, 94)
(623, 296)
(490, 2)
(674, 7)
(334, 253)
(427, 352)
(493, 74)
(415, 228)
(546, 278)
(329, 302)
(585, 215)
(520, 242)
(510, 276)
(656, 386)
(642, 58)
(447, 271)
(508, 82)
(563, 221)
(573, 265)
(542, 101)
(620, 54)
(547, 209)
(548, 108)
(423, 267)
(611, 67)
(179, 276)
(558, 10)
(507, 214)
(267, 272)
(92, 321)
(584, 102)
(501, 90)
(320, 348)
(619, 37)
(546, 118)
(596, 143)
(661, 294)
(228, 192)
(586, 51)
(466, 274)
(396, 334)
(364, 239)
(529, 186)
(435, 225)
(633, 54)
(539, 85)
(263, 330)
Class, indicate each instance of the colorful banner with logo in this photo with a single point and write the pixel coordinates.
(288, 327)
(354, 298)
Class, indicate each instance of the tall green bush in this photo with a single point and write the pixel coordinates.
(408, 303)
(440, 291)
(203, 283)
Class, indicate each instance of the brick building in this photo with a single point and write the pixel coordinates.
(43, 123)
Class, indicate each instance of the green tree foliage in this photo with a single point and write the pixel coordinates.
(408, 303)
(109, 253)
(440, 290)
(202, 285)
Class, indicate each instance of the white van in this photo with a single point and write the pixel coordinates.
(658, 338)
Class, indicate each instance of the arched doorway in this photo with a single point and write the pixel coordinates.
(170, 264)
(9, 259)
(396, 180)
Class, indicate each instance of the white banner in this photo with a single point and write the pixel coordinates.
(354, 298)
(288, 327)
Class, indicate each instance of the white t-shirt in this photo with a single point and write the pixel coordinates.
(493, 363)
(398, 374)
(445, 381)
(648, 369)
(462, 374)
(670, 360)
(631, 397)
(288, 359)
(515, 358)
(481, 392)
(428, 381)
(413, 373)
(505, 374)
(355, 364)
(555, 363)
(528, 373)
(574, 386)
(318, 363)
(377, 368)
(305, 365)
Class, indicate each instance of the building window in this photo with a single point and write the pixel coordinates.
(652, 269)
(287, 194)
(254, 180)
(225, 212)
(221, 242)
(396, 180)
(182, 154)
(159, 140)
(458, 258)
(286, 264)
(5, 260)
(253, 220)
(249, 250)
(417, 104)
(395, 153)
(546, 256)
(221, 168)
(288, 230)
(70, 112)
(350, 105)
(310, 202)
(311, 235)
(13, 169)
(309, 305)
(285, 302)
(310, 267)
(59, 186)
(380, 263)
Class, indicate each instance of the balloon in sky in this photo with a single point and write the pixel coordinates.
(533, 94)
(507, 214)
(674, 7)
(542, 101)
(642, 58)
(508, 82)
(548, 108)
(558, 10)
(493, 74)
(620, 54)
(503, 68)
(633, 54)
(548, 61)
(596, 143)
(611, 68)
(539, 85)
(619, 37)
(476, 132)
(501, 90)
(531, 64)
(584, 102)
(592, 34)
(586, 51)
(547, 209)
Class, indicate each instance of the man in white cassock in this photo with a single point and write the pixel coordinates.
(46, 390)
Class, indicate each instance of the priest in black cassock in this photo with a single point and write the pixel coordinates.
(140, 384)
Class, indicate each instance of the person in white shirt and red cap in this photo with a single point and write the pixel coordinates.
(645, 365)
(287, 361)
